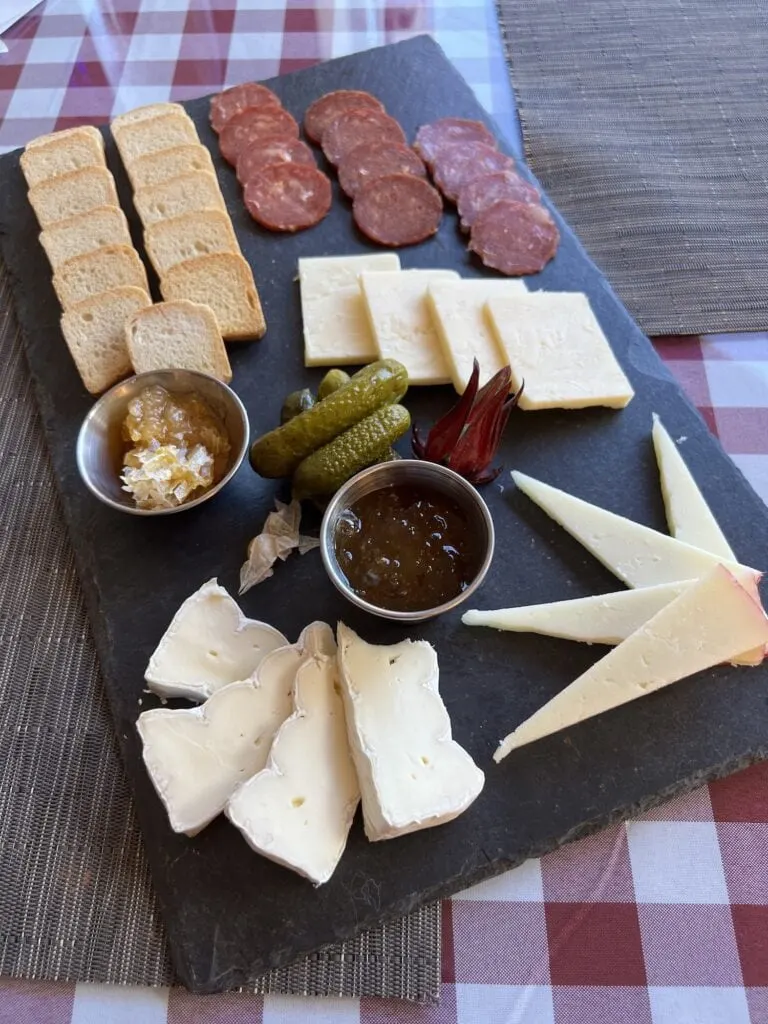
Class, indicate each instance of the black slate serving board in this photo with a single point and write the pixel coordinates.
(230, 913)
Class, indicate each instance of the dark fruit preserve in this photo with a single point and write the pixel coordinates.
(407, 548)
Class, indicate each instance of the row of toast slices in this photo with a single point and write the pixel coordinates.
(109, 323)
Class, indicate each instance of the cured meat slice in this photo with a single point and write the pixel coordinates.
(356, 126)
(375, 159)
(397, 209)
(251, 124)
(482, 192)
(458, 164)
(275, 149)
(515, 238)
(320, 113)
(288, 196)
(432, 138)
(238, 98)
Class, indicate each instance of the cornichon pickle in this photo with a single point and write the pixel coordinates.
(279, 452)
(331, 382)
(296, 402)
(368, 441)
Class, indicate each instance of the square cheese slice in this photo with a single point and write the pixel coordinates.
(555, 344)
(461, 321)
(402, 323)
(336, 328)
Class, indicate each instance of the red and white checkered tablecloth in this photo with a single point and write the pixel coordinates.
(661, 920)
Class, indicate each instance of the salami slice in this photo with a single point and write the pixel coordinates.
(251, 124)
(288, 196)
(482, 192)
(320, 113)
(238, 98)
(275, 149)
(398, 209)
(515, 238)
(432, 138)
(375, 159)
(458, 164)
(356, 126)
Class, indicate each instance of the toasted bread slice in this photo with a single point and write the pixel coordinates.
(198, 190)
(140, 138)
(67, 133)
(59, 198)
(102, 270)
(62, 154)
(224, 282)
(94, 331)
(199, 233)
(104, 225)
(155, 168)
(146, 112)
(179, 334)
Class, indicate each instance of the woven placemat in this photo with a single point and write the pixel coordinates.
(645, 120)
(76, 900)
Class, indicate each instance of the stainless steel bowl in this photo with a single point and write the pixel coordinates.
(413, 472)
(100, 446)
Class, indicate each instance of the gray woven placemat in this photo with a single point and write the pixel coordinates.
(645, 120)
(76, 900)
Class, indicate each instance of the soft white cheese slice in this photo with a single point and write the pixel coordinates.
(413, 775)
(555, 344)
(336, 328)
(402, 324)
(299, 809)
(197, 757)
(709, 623)
(604, 619)
(209, 644)
(689, 516)
(461, 320)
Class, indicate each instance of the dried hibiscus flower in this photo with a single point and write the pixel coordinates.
(467, 437)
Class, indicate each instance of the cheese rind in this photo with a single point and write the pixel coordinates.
(709, 623)
(555, 344)
(412, 774)
(209, 644)
(401, 322)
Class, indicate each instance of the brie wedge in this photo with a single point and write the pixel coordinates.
(299, 809)
(412, 774)
(689, 516)
(209, 644)
(709, 623)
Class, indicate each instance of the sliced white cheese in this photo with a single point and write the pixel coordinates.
(709, 623)
(336, 328)
(605, 619)
(402, 324)
(689, 516)
(197, 757)
(299, 809)
(413, 775)
(209, 644)
(554, 343)
(461, 320)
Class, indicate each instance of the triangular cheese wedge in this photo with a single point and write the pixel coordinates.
(709, 623)
(689, 517)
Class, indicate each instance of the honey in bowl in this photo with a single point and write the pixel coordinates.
(407, 548)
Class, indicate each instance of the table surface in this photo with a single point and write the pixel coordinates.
(663, 919)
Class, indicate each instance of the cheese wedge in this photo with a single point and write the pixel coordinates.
(336, 327)
(605, 619)
(401, 321)
(554, 343)
(208, 645)
(299, 809)
(412, 774)
(709, 623)
(689, 516)
(461, 320)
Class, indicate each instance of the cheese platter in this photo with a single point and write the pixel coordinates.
(317, 698)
